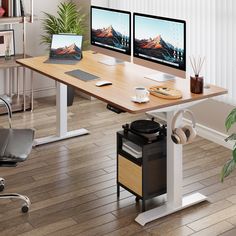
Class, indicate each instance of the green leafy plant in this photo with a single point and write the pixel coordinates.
(230, 165)
(69, 19)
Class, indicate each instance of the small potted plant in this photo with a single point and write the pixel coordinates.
(69, 19)
(230, 165)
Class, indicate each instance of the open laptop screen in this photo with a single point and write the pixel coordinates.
(66, 47)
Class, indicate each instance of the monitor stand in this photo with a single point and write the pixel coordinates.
(160, 77)
(111, 61)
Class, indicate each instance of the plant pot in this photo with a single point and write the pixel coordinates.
(70, 95)
(196, 84)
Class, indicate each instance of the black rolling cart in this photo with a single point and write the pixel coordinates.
(141, 163)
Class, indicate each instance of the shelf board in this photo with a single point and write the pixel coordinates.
(4, 64)
(17, 104)
(15, 20)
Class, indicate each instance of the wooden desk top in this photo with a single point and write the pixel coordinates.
(125, 77)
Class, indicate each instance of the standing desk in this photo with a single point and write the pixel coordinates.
(125, 77)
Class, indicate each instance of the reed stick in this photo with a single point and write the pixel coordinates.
(197, 64)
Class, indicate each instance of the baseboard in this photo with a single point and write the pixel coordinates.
(203, 131)
(51, 91)
(212, 135)
(84, 95)
(45, 92)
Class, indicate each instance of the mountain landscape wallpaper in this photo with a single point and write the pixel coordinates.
(66, 47)
(109, 36)
(115, 34)
(161, 41)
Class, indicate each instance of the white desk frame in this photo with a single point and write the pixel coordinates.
(175, 199)
(61, 119)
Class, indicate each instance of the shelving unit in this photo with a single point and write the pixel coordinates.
(20, 100)
(144, 176)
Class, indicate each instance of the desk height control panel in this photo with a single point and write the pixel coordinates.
(141, 164)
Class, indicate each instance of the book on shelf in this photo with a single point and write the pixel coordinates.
(131, 153)
(13, 8)
(5, 6)
(133, 149)
(22, 9)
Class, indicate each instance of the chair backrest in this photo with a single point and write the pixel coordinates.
(15, 144)
(9, 110)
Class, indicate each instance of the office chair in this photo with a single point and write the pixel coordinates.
(15, 146)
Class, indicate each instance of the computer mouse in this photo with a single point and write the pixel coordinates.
(103, 83)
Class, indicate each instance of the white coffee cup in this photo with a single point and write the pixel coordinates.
(141, 94)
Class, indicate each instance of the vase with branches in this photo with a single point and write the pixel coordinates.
(230, 165)
(8, 50)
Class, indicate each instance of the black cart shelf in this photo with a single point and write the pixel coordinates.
(145, 177)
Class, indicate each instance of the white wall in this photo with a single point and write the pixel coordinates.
(102, 3)
(211, 32)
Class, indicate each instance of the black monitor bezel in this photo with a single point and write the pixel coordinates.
(166, 19)
(113, 10)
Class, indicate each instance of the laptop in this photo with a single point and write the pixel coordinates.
(65, 49)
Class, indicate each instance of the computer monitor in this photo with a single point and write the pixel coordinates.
(160, 44)
(111, 34)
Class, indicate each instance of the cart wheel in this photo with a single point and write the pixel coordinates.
(2, 187)
(137, 199)
(25, 208)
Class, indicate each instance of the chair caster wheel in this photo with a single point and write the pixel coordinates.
(137, 199)
(2, 187)
(25, 208)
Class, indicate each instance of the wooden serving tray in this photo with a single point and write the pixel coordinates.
(165, 92)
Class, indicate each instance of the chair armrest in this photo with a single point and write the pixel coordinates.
(9, 110)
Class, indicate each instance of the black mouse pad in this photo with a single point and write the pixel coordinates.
(82, 75)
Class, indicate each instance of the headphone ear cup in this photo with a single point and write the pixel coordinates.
(190, 133)
(175, 138)
(181, 135)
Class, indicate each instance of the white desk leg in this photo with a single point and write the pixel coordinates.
(61, 123)
(174, 166)
(61, 109)
(175, 200)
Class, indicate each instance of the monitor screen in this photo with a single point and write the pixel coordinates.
(160, 40)
(111, 29)
(66, 47)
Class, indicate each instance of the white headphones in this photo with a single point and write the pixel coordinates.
(184, 134)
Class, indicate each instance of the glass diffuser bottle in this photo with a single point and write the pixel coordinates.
(197, 82)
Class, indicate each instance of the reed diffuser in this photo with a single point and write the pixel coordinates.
(8, 50)
(196, 82)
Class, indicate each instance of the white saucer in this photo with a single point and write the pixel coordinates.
(134, 99)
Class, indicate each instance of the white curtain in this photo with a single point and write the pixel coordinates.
(211, 32)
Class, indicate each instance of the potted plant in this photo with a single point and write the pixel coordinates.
(230, 165)
(69, 19)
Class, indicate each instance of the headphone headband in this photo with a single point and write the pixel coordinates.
(176, 116)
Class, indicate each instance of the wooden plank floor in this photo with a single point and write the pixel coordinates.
(72, 183)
